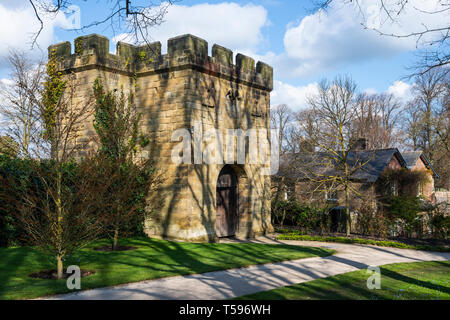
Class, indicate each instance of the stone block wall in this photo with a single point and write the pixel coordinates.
(186, 89)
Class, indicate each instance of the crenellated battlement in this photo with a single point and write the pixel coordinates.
(187, 94)
(186, 51)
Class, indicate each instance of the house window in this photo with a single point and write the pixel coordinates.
(288, 192)
(331, 196)
(420, 189)
(394, 188)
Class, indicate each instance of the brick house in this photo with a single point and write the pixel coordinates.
(306, 176)
(417, 161)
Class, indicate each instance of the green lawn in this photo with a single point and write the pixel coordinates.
(413, 281)
(296, 235)
(152, 259)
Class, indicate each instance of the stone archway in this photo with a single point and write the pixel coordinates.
(227, 202)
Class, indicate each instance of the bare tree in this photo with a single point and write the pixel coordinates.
(20, 103)
(443, 120)
(442, 158)
(296, 135)
(433, 40)
(427, 120)
(136, 19)
(301, 130)
(328, 167)
(377, 120)
(429, 91)
(56, 207)
(280, 117)
(8, 147)
(413, 127)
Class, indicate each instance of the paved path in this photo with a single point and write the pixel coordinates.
(237, 282)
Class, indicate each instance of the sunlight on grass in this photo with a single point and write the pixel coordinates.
(399, 281)
(296, 235)
(152, 259)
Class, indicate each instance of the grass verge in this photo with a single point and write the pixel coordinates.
(399, 281)
(295, 235)
(152, 259)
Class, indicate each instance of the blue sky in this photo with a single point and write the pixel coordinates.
(303, 46)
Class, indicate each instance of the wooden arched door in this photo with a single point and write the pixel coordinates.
(226, 203)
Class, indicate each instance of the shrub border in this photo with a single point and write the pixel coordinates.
(380, 243)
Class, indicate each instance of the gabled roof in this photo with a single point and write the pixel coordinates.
(375, 161)
(411, 158)
(366, 164)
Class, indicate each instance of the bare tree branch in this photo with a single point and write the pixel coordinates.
(137, 20)
(432, 41)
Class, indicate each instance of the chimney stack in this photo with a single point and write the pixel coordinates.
(359, 145)
(305, 145)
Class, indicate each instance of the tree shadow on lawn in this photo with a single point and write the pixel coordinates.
(444, 263)
(342, 290)
(152, 259)
(10, 265)
(156, 258)
(225, 256)
(397, 253)
(414, 281)
(363, 291)
(229, 282)
(16, 265)
(191, 259)
(353, 286)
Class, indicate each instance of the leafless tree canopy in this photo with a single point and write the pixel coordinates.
(20, 104)
(334, 110)
(338, 116)
(377, 119)
(280, 118)
(427, 120)
(120, 15)
(56, 208)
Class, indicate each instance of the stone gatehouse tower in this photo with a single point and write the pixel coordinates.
(187, 89)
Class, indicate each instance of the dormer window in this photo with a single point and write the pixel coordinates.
(331, 196)
(394, 188)
(419, 189)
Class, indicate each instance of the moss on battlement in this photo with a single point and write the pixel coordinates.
(92, 51)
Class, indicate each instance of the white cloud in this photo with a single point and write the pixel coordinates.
(324, 40)
(3, 121)
(293, 96)
(6, 82)
(296, 96)
(370, 91)
(401, 90)
(229, 24)
(18, 24)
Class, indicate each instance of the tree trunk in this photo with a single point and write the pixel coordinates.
(279, 195)
(347, 213)
(428, 130)
(115, 239)
(59, 267)
(283, 217)
(59, 226)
